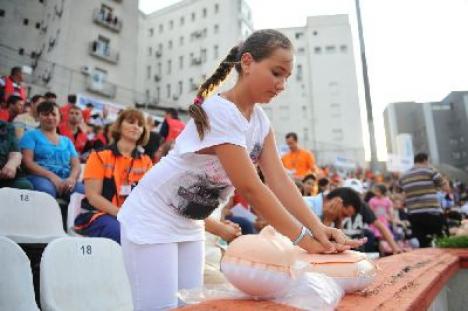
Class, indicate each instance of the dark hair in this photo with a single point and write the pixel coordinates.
(309, 176)
(76, 108)
(130, 114)
(291, 135)
(349, 197)
(15, 70)
(71, 98)
(368, 196)
(173, 112)
(50, 95)
(46, 107)
(322, 183)
(89, 105)
(13, 99)
(421, 157)
(260, 44)
(382, 188)
(35, 98)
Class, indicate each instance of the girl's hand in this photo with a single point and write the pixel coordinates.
(229, 231)
(334, 240)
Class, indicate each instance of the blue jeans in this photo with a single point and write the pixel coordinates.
(246, 225)
(44, 184)
(105, 226)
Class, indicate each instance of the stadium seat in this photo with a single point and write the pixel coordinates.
(16, 284)
(74, 209)
(84, 274)
(29, 216)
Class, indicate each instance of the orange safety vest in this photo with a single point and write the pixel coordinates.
(175, 128)
(10, 89)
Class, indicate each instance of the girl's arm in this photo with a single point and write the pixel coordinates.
(93, 191)
(243, 175)
(227, 231)
(286, 191)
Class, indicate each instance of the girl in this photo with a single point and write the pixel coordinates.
(162, 235)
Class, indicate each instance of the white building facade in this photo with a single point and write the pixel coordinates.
(183, 44)
(73, 47)
(321, 101)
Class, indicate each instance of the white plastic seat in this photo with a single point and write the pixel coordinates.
(16, 283)
(29, 216)
(84, 274)
(74, 209)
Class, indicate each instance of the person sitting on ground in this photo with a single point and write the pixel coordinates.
(51, 159)
(10, 159)
(111, 174)
(310, 185)
(28, 120)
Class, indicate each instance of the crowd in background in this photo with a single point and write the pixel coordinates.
(62, 149)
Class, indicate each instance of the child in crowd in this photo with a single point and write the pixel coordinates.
(382, 207)
(162, 230)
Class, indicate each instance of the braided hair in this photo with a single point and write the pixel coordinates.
(260, 44)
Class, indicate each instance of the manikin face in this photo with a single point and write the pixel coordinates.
(268, 77)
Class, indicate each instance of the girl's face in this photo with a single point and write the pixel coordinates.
(309, 186)
(131, 129)
(49, 120)
(268, 77)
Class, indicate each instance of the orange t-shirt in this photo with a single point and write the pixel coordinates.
(300, 162)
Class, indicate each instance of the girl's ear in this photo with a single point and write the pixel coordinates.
(246, 61)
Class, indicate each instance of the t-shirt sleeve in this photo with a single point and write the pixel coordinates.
(28, 141)
(70, 147)
(226, 126)
(368, 215)
(94, 168)
(13, 142)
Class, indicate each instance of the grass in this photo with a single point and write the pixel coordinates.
(453, 242)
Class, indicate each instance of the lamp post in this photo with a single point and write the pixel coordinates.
(370, 118)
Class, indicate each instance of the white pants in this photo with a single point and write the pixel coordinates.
(157, 271)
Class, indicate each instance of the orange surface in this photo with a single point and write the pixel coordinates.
(407, 281)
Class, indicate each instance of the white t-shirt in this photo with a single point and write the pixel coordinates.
(184, 187)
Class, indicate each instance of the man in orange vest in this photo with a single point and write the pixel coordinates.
(299, 162)
(172, 125)
(12, 84)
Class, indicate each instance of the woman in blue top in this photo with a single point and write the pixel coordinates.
(50, 158)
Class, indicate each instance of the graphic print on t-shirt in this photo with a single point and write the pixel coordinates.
(255, 153)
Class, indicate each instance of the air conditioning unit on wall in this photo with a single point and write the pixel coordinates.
(86, 70)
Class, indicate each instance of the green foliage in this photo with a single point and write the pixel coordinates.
(453, 242)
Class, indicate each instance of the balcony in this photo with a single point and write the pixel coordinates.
(103, 51)
(107, 20)
(102, 88)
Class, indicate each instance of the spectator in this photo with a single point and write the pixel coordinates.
(50, 158)
(50, 97)
(172, 125)
(323, 185)
(65, 109)
(87, 112)
(382, 207)
(28, 120)
(154, 138)
(73, 128)
(111, 174)
(299, 162)
(310, 185)
(10, 159)
(163, 151)
(12, 84)
(420, 186)
(14, 107)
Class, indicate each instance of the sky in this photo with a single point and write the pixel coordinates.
(416, 49)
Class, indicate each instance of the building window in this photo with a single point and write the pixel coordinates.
(150, 51)
(298, 35)
(159, 68)
(181, 87)
(181, 62)
(181, 41)
(193, 16)
(21, 51)
(168, 90)
(25, 22)
(315, 33)
(192, 85)
(2, 13)
(147, 95)
(158, 93)
(330, 49)
(216, 52)
(191, 58)
(216, 8)
(317, 50)
(204, 12)
(169, 66)
(300, 50)
(171, 24)
(203, 55)
(169, 44)
(204, 32)
(216, 28)
(148, 72)
(161, 28)
(182, 21)
(343, 48)
(151, 32)
(299, 72)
